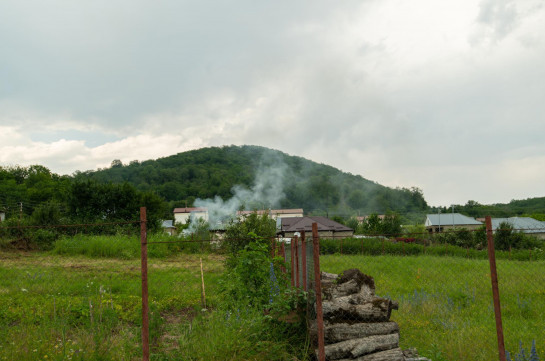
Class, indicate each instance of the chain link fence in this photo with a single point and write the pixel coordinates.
(434, 297)
(415, 291)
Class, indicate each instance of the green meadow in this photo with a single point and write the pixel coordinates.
(445, 303)
(82, 301)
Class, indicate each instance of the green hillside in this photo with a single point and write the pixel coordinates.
(258, 176)
(209, 172)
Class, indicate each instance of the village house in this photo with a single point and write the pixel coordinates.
(525, 225)
(275, 213)
(168, 227)
(287, 227)
(448, 221)
(182, 215)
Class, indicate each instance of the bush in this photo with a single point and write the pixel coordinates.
(252, 277)
(43, 238)
(236, 235)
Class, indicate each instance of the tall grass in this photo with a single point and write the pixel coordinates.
(446, 308)
(240, 335)
(76, 308)
(125, 247)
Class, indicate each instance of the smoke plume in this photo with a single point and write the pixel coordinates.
(266, 192)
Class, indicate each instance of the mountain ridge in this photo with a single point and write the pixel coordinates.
(214, 171)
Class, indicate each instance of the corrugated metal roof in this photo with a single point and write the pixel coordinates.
(525, 224)
(297, 224)
(449, 219)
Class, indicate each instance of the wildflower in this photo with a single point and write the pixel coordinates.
(24, 290)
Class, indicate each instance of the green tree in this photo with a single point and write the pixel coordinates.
(372, 225)
(237, 232)
(503, 239)
(391, 224)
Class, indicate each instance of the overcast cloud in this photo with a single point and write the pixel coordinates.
(446, 96)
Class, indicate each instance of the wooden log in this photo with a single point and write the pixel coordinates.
(343, 331)
(349, 282)
(355, 309)
(390, 355)
(361, 346)
(332, 290)
(373, 344)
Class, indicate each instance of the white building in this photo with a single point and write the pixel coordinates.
(182, 215)
(275, 213)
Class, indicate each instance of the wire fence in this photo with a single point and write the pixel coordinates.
(423, 291)
(445, 299)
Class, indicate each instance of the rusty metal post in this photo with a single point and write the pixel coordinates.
(273, 247)
(144, 266)
(304, 259)
(318, 289)
(495, 289)
(297, 284)
(283, 254)
(292, 261)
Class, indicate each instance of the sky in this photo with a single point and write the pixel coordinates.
(446, 96)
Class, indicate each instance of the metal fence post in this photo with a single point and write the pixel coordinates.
(144, 267)
(297, 284)
(318, 289)
(304, 259)
(283, 255)
(292, 261)
(495, 290)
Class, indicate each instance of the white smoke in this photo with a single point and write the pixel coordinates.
(266, 192)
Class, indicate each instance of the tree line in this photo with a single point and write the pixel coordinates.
(34, 196)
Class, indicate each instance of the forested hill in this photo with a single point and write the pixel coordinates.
(209, 172)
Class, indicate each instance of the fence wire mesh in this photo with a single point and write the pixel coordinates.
(435, 287)
(438, 293)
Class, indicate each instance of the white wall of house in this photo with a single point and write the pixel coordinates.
(275, 213)
(182, 218)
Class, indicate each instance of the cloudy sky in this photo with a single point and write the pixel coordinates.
(448, 96)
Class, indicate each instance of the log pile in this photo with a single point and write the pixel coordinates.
(357, 323)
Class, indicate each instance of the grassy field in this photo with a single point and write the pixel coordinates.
(66, 307)
(76, 308)
(446, 308)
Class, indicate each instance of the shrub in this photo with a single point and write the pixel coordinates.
(236, 235)
(253, 278)
(43, 238)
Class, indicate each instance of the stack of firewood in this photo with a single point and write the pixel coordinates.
(357, 323)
